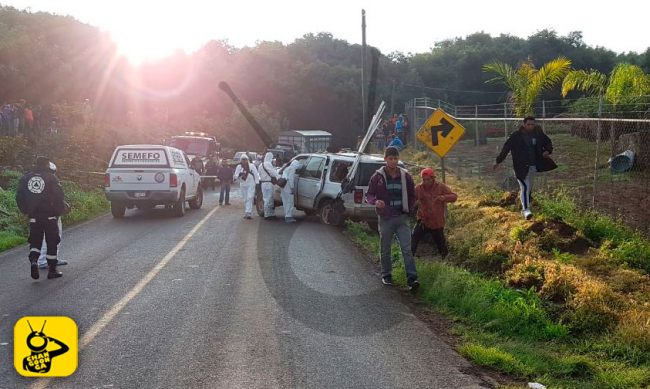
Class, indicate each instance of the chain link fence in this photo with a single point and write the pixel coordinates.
(603, 162)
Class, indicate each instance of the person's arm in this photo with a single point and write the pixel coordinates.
(547, 146)
(371, 193)
(64, 348)
(507, 147)
(57, 196)
(235, 177)
(447, 195)
(410, 191)
(256, 174)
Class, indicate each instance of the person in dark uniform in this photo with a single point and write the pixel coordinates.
(40, 196)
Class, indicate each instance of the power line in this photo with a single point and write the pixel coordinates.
(453, 90)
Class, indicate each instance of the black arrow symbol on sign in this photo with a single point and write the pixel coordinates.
(444, 127)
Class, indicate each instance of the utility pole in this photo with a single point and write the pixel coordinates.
(363, 70)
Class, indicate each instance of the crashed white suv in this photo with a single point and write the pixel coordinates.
(144, 176)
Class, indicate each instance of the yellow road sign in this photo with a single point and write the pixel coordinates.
(440, 132)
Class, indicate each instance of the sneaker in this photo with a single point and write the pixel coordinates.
(269, 218)
(59, 262)
(42, 265)
(387, 280)
(413, 285)
(34, 270)
(528, 215)
(248, 216)
(290, 220)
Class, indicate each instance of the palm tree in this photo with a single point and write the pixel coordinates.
(626, 84)
(526, 82)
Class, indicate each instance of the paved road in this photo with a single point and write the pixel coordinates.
(214, 301)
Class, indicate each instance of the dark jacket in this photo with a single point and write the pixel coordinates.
(225, 174)
(39, 194)
(377, 191)
(517, 146)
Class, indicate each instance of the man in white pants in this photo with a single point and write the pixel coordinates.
(42, 261)
(247, 176)
(531, 149)
(288, 191)
(268, 177)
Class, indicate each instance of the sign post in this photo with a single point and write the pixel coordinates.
(440, 132)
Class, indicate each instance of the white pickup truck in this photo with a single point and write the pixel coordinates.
(144, 176)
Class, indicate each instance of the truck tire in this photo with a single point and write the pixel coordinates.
(328, 213)
(197, 201)
(117, 209)
(178, 208)
(259, 203)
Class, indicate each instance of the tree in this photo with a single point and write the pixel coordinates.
(526, 82)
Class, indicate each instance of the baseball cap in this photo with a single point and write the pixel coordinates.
(427, 172)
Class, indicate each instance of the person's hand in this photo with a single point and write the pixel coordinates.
(439, 199)
(495, 167)
(546, 154)
(380, 204)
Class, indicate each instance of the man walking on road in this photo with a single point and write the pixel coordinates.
(40, 196)
(531, 149)
(392, 191)
(431, 197)
(224, 174)
(247, 176)
(268, 177)
(42, 260)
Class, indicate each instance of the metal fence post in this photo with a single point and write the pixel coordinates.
(600, 112)
(476, 125)
(505, 121)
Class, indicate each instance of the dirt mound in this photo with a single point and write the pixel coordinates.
(559, 235)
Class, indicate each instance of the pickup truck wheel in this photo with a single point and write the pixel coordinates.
(178, 208)
(329, 213)
(118, 209)
(259, 203)
(197, 202)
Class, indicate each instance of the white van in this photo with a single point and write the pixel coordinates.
(144, 176)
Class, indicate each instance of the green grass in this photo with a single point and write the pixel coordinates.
(617, 240)
(85, 204)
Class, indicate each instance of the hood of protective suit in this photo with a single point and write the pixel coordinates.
(268, 157)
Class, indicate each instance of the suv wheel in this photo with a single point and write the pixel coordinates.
(197, 202)
(329, 213)
(118, 209)
(178, 208)
(259, 203)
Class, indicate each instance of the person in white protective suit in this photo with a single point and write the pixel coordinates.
(288, 191)
(247, 176)
(268, 178)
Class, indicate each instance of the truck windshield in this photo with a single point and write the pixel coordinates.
(191, 146)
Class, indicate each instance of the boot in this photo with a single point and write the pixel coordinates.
(34, 268)
(52, 273)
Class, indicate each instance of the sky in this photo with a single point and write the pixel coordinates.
(145, 29)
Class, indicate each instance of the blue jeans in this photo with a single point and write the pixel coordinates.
(396, 226)
(225, 190)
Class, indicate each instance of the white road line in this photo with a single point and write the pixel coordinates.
(99, 325)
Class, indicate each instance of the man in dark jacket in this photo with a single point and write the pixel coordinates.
(531, 149)
(392, 191)
(224, 174)
(40, 196)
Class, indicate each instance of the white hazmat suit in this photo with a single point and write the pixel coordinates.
(267, 171)
(289, 190)
(247, 182)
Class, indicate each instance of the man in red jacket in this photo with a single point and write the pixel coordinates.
(431, 197)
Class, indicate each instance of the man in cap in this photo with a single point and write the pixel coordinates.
(431, 198)
(42, 260)
(40, 196)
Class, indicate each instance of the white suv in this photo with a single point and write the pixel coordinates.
(144, 176)
(318, 185)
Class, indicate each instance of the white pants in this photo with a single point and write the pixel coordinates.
(287, 202)
(526, 187)
(267, 194)
(42, 260)
(248, 194)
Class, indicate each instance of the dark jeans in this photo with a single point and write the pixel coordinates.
(39, 227)
(438, 234)
(225, 190)
(390, 228)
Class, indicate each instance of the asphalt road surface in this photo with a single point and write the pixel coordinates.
(214, 301)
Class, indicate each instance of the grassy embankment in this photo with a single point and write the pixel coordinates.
(85, 203)
(563, 299)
